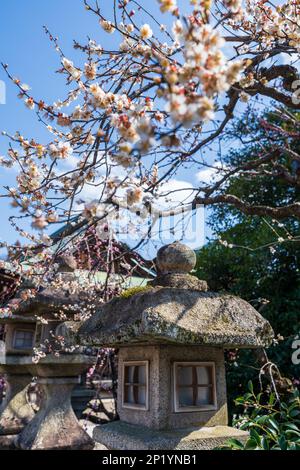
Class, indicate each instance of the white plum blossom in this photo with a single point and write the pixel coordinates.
(168, 5)
(90, 70)
(39, 222)
(61, 150)
(30, 103)
(95, 48)
(46, 240)
(74, 73)
(235, 6)
(126, 45)
(107, 26)
(146, 32)
(134, 196)
(94, 209)
(25, 87)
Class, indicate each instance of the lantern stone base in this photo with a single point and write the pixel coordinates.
(55, 426)
(122, 436)
(8, 442)
(15, 411)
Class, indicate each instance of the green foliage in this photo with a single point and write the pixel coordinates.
(270, 282)
(259, 261)
(134, 290)
(250, 140)
(271, 425)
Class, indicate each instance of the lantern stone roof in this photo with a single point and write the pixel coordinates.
(47, 303)
(177, 308)
(63, 296)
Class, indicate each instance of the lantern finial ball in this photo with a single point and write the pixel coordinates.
(176, 258)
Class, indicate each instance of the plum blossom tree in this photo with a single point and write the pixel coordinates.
(151, 105)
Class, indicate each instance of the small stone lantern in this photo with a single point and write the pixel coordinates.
(171, 340)
(15, 411)
(34, 322)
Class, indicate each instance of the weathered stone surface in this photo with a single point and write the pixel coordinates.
(100, 411)
(8, 442)
(166, 314)
(122, 436)
(179, 281)
(64, 365)
(63, 293)
(52, 300)
(89, 428)
(15, 411)
(174, 262)
(161, 411)
(55, 426)
(175, 258)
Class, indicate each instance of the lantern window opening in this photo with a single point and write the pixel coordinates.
(194, 386)
(23, 339)
(135, 392)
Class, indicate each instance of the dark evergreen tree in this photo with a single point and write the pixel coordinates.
(258, 258)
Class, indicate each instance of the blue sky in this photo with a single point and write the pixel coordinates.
(31, 58)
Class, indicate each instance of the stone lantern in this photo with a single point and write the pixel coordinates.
(15, 411)
(170, 340)
(37, 321)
